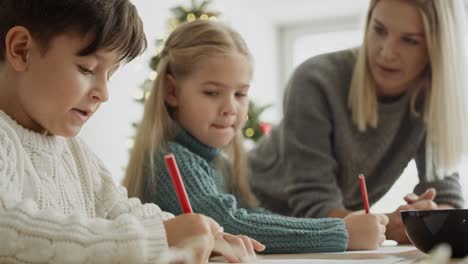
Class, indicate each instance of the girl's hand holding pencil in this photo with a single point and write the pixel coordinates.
(365, 230)
(204, 238)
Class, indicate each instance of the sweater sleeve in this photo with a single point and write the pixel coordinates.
(448, 189)
(307, 144)
(111, 200)
(32, 235)
(280, 234)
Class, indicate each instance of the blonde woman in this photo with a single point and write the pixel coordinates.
(399, 97)
(196, 109)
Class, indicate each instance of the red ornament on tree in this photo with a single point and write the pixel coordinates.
(265, 128)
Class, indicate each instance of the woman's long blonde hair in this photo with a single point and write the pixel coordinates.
(185, 48)
(443, 85)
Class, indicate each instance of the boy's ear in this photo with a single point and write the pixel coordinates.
(18, 42)
(170, 91)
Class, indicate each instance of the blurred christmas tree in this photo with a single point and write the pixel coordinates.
(180, 15)
(253, 128)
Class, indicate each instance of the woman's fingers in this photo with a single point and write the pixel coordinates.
(429, 194)
(424, 205)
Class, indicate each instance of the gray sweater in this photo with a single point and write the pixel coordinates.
(309, 164)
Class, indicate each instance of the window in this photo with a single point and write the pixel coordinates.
(299, 42)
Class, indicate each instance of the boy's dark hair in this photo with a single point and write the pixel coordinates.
(114, 24)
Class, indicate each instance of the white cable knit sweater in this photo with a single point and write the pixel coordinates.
(59, 204)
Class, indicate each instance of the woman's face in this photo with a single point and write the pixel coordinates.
(396, 46)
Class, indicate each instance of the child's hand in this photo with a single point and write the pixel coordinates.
(188, 226)
(237, 248)
(366, 231)
(198, 237)
(193, 234)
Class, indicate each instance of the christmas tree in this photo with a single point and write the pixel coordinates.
(254, 128)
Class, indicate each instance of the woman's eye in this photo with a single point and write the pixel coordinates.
(379, 30)
(411, 41)
(84, 70)
(241, 94)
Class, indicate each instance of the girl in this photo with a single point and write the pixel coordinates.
(399, 97)
(196, 109)
(58, 203)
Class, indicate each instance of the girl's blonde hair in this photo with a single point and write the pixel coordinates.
(184, 50)
(442, 85)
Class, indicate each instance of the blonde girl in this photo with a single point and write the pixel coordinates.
(196, 109)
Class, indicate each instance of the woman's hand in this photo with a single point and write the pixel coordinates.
(428, 195)
(395, 228)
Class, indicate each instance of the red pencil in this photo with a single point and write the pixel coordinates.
(178, 183)
(365, 199)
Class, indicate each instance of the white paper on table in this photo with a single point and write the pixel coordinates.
(380, 250)
(330, 261)
(384, 250)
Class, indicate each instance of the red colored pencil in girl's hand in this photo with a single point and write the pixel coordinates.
(365, 199)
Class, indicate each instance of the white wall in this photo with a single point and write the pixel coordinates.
(257, 20)
(109, 130)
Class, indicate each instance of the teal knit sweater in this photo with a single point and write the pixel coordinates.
(203, 183)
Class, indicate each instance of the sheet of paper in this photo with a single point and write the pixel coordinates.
(380, 250)
(365, 257)
(329, 261)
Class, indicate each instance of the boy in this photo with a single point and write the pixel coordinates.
(58, 203)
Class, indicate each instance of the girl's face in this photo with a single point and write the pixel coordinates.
(396, 46)
(212, 103)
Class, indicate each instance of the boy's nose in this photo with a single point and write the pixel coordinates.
(100, 93)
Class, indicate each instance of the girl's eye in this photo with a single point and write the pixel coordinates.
(240, 94)
(211, 93)
(85, 70)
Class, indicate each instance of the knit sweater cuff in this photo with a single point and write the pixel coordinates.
(337, 237)
(448, 192)
(157, 239)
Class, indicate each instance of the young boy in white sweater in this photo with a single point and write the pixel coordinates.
(58, 203)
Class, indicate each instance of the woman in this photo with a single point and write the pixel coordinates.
(372, 110)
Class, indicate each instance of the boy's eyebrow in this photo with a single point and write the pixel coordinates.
(102, 58)
(409, 34)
